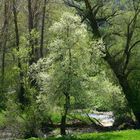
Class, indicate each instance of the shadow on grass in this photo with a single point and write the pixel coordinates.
(92, 137)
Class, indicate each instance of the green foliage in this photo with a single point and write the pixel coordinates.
(2, 119)
(72, 64)
(68, 36)
(90, 85)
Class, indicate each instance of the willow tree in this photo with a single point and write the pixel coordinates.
(65, 64)
(69, 73)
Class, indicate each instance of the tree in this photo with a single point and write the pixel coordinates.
(93, 15)
(42, 28)
(3, 43)
(21, 90)
(66, 64)
(71, 71)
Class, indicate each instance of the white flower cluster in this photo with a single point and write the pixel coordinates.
(69, 27)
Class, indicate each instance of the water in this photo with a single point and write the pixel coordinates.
(105, 118)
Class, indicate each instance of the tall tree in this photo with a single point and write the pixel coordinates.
(65, 65)
(91, 14)
(3, 42)
(42, 28)
(35, 14)
(31, 27)
(21, 89)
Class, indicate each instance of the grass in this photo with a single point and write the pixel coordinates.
(117, 135)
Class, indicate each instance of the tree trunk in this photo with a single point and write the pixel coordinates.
(42, 29)
(64, 116)
(3, 43)
(31, 27)
(3, 68)
(129, 95)
(63, 125)
(92, 20)
(21, 92)
(122, 79)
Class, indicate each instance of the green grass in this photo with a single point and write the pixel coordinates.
(122, 135)
(118, 135)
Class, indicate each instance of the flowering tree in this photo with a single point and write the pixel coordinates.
(69, 55)
(73, 62)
